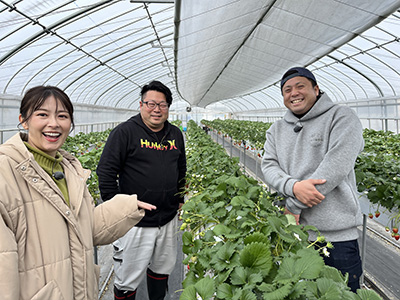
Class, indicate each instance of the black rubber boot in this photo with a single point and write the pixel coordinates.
(157, 285)
(124, 295)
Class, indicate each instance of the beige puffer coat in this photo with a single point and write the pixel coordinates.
(46, 247)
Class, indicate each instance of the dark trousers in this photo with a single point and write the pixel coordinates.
(157, 286)
(124, 295)
(345, 256)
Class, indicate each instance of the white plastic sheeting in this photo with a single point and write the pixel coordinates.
(99, 52)
(226, 55)
(238, 50)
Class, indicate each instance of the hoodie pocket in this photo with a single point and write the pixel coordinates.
(173, 198)
(118, 251)
(155, 198)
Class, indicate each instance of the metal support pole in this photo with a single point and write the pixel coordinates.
(244, 155)
(363, 242)
(256, 159)
(231, 145)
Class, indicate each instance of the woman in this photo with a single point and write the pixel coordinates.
(49, 223)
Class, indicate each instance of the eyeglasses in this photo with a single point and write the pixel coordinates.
(152, 105)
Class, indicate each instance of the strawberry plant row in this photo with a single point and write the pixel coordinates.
(238, 245)
(252, 132)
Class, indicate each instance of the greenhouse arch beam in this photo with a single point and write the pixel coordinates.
(332, 83)
(258, 100)
(360, 73)
(229, 106)
(349, 78)
(112, 58)
(47, 30)
(131, 75)
(103, 80)
(111, 70)
(269, 96)
(29, 23)
(87, 43)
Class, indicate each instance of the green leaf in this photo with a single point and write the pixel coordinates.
(197, 245)
(220, 204)
(368, 294)
(253, 192)
(300, 287)
(279, 294)
(275, 223)
(221, 229)
(248, 295)
(205, 288)
(238, 276)
(189, 293)
(310, 264)
(239, 201)
(226, 251)
(256, 255)
(220, 212)
(237, 182)
(291, 219)
(255, 278)
(334, 274)
(217, 194)
(187, 249)
(190, 279)
(328, 289)
(266, 287)
(286, 272)
(256, 237)
(224, 291)
(187, 238)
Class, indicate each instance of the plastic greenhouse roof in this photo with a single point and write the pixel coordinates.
(99, 52)
(226, 54)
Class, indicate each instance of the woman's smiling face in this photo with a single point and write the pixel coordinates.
(48, 126)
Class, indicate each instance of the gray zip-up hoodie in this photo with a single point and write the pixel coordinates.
(326, 147)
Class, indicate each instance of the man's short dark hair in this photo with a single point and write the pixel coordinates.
(159, 87)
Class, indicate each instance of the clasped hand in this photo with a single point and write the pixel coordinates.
(306, 192)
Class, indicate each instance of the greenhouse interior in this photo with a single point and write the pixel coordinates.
(224, 62)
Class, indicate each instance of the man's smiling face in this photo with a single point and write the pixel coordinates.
(299, 95)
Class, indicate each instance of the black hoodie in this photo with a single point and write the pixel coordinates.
(136, 161)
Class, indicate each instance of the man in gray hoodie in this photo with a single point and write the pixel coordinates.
(309, 158)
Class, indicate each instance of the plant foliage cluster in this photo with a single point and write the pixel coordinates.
(238, 245)
(252, 132)
(378, 168)
(88, 148)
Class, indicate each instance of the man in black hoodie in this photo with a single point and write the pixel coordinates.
(146, 156)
